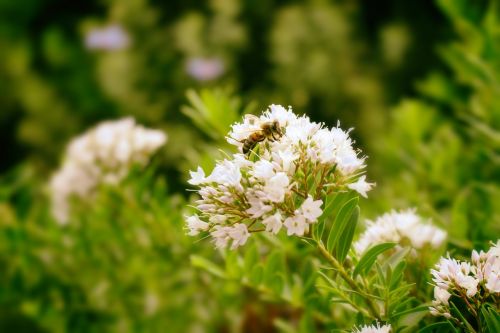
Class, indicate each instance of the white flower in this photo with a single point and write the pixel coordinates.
(257, 207)
(103, 154)
(286, 158)
(467, 282)
(226, 173)
(441, 295)
(265, 189)
(239, 234)
(205, 69)
(450, 273)
(373, 329)
(400, 227)
(493, 283)
(112, 37)
(273, 223)
(279, 113)
(311, 209)
(296, 225)
(361, 186)
(197, 177)
(263, 169)
(196, 225)
(276, 187)
(220, 236)
(488, 267)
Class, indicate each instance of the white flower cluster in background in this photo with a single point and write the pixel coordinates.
(476, 281)
(402, 227)
(103, 154)
(373, 329)
(205, 69)
(281, 183)
(110, 38)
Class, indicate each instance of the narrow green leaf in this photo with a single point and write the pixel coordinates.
(397, 274)
(207, 265)
(275, 264)
(251, 258)
(340, 223)
(277, 283)
(256, 275)
(369, 257)
(412, 310)
(436, 327)
(491, 317)
(345, 240)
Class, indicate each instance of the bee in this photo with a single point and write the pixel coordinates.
(270, 130)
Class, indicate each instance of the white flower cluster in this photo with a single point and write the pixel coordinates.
(112, 37)
(403, 227)
(205, 69)
(280, 183)
(103, 154)
(373, 329)
(474, 281)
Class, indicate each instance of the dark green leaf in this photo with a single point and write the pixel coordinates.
(491, 317)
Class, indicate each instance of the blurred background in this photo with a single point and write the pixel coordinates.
(418, 80)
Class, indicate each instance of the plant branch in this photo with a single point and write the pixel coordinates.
(345, 276)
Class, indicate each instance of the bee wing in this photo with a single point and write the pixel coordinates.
(252, 119)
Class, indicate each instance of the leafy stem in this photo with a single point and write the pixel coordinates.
(372, 308)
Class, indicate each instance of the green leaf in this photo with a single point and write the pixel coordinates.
(251, 258)
(306, 324)
(275, 264)
(491, 317)
(277, 284)
(397, 274)
(256, 275)
(340, 223)
(436, 327)
(233, 266)
(412, 310)
(369, 257)
(459, 221)
(345, 240)
(207, 265)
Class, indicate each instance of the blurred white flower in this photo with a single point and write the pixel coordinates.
(281, 182)
(196, 225)
(103, 154)
(197, 177)
(404, 227)
(361, 186)
(239, 234)
(373, 329)
(205, 69)
(112, 37)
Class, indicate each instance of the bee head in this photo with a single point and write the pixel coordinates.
(276, 127)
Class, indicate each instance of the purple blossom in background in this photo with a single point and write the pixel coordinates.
(112, 37)
(205, 69)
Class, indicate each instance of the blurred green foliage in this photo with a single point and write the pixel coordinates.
(419, 80)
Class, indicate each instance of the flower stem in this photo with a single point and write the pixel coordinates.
(345, 276)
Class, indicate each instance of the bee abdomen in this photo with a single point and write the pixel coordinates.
(248, 145)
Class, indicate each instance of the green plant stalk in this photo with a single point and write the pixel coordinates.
(340, 269)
